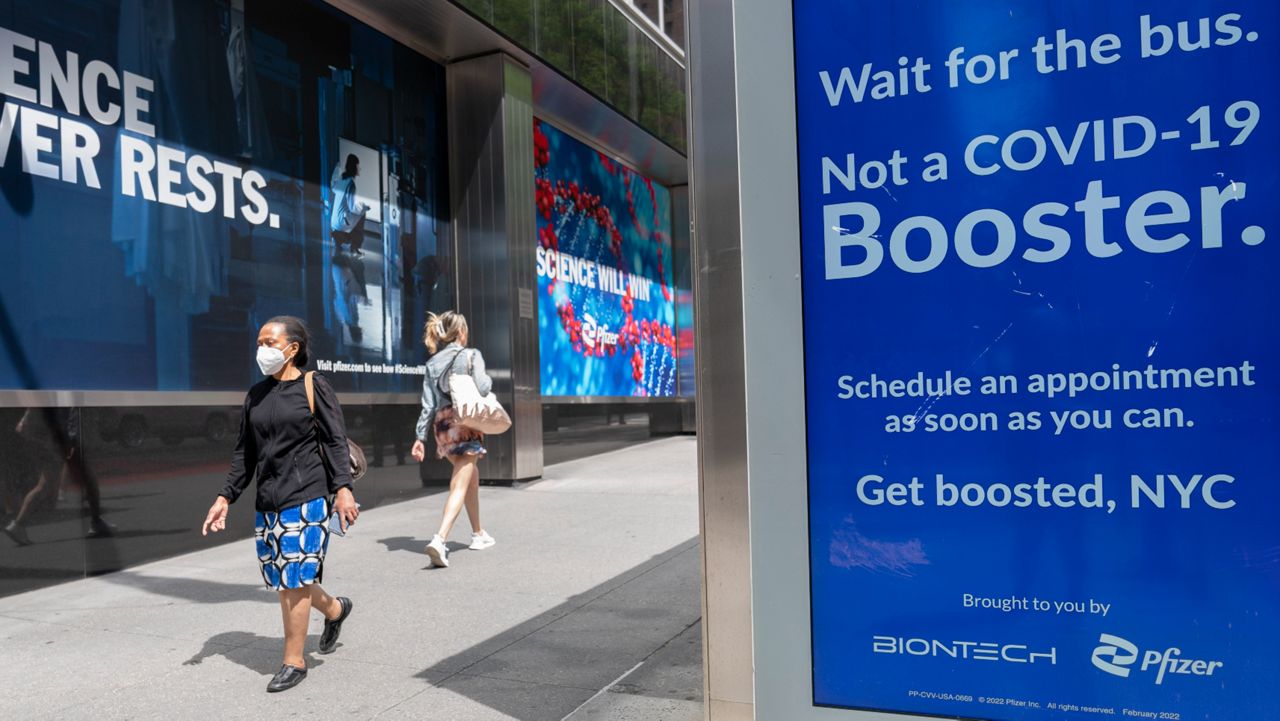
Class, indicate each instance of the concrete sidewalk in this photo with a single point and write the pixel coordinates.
(588, 608)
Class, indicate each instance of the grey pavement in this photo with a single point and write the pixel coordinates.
(588, 608)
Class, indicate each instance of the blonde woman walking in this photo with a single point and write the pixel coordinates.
(446, 337)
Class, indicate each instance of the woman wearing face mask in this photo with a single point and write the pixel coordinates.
(285, 446)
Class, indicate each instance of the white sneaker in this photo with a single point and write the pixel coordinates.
(438, 552)
(481, 541)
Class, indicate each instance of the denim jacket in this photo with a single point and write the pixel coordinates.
(434, 397)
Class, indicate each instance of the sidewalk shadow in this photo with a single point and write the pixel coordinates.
(404, 543)
(416, 546)
(195, 590)
(523, 651)
(235, 646)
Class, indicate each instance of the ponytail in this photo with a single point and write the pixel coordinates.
(443, 329)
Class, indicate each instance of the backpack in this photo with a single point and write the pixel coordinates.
(356, 454)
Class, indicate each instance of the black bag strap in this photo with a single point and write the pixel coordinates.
(309, 382)
(449, 371)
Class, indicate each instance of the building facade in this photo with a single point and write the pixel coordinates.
(177, 172)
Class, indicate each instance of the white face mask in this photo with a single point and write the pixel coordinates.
(270, 360)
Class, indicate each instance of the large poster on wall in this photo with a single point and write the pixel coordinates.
(1040, 356)
(177, 172)
(606, 312)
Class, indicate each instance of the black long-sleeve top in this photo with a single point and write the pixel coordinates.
(280, 443)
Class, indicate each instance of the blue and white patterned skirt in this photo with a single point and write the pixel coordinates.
(292, 544)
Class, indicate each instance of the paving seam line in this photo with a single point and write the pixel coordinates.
(635, 668)
(522, 682)
(606, 688)
(401, 702)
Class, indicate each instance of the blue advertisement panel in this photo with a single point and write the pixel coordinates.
(1040, 354)
(176, 172)
(606, 311)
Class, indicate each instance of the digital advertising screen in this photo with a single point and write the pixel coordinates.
(606, 310)
(176, 172)
(1041, 363)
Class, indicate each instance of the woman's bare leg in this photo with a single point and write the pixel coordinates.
(464, 474)
(473, 502)
(327, 605)
(295, 607)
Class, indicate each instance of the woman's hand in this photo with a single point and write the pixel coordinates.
(345, 506)
(419, 451)
(217, 518)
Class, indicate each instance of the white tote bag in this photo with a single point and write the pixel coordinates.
(478, 412)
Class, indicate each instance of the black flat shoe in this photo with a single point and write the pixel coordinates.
(286, 678)
(329, 637)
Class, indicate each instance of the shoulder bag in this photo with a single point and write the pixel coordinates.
(478, 412)
(356, 454)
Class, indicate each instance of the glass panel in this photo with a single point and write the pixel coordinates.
(602, 49)
(672, 102)
(650, 91)
(554, 27)
(156, 471)
(649, 8)
(620, 47)
(515, 19)
(95, 490)
(673, 20)
(574, 431)
(682, 109)
(482, 8)
(590, 65)
(43, 521)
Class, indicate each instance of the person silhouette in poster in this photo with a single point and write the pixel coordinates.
(346, 226)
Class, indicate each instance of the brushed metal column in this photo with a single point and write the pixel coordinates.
(682, 263)
(490, 115)
(721, 375)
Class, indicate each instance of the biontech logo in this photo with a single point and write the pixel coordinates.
(1117, 656)
(964, 650)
